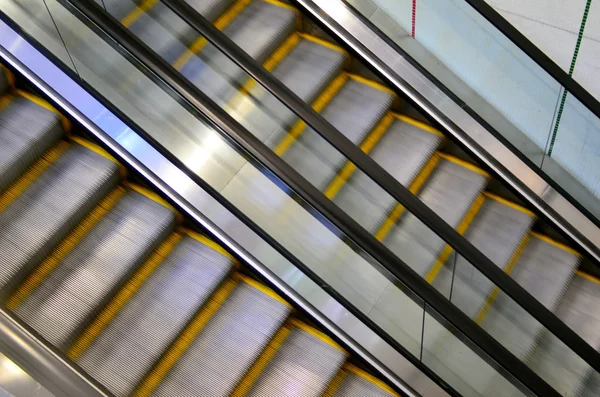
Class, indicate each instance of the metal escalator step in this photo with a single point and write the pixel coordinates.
(162, 30)
(258, 30)
(450, 192)
(304, 364)
(555, 362)
(156, 314)
(354, 382)
(27, 130)
(354, 111)
(544, 269)
(592, 386)
(306, 70)
(68, 298)
(402, 151)
(499, 231)
(226, 347)
(49, 208)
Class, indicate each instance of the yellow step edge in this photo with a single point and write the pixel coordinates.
(555, 243)
(366, 146)
(371, 83)
(220, 23)
(239, 103)
(127, 291)
(10, 78)
(288, 7)
(5, 100)
(137, 12)
(156, 198)
(261, 363)
(261, 287)
(464, 164)
(508, 270)
(18, 186)
(335, 383)
(324, 43)
(294, 322)
(510, 204)
(185, 338)
(63, 249)
(208, 242)
(461, 229)
(370, 378)
(318, 105)
(587, 276)
(65, 122)
(418, 124)
(414, 188)
(97, 149)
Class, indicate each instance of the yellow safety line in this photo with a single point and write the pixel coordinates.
(510, 204)
(155, 197)
(418, 124)
(98, 150)
(371, 83)
(261, 363)
(17, 187)
(319, 104)
(370, 378)
(66, 123)
(464, 164)
(208, 242)
(123, 296)
(414, 188)
(183, 341)
(587, 276)
(137, 12)
(316, 333)
(548, 240)
(324, 43)
(63, 249)
(508, 270)
(222, 21)
(461, 229)
(261, 287)
(335, 383)
(9, 76)
(5, 100)
(367, 145)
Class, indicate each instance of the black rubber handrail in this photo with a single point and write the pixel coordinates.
(243, 139)
(378, 174)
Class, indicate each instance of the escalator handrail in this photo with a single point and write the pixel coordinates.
(242, 138)
(400, 193)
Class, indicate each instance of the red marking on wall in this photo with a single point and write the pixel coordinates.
(414, 18)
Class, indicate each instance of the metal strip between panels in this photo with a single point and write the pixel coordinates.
(50, 369)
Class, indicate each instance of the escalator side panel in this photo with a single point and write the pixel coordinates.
(564, 370)
(258, 30)
(50, 207)
(498, 231)
(354, 111)
(27, 130)
(303, 366)
(450, 192)
(306, 71)
(225, 349)
(66, 301)
(402, 151)
(128, 347)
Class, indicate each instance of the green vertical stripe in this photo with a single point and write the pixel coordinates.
(571, 69)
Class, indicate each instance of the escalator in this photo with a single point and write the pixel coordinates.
(105, 271)
(374, 118)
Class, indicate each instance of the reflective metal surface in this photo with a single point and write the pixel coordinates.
(215, 218)
(16, 382)
(337, 16)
